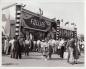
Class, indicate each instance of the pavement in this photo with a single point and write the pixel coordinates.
(37, 60)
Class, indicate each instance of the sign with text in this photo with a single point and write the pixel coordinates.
(35, 22)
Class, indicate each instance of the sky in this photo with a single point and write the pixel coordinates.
(68, 10)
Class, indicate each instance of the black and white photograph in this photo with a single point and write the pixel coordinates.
(43, 33)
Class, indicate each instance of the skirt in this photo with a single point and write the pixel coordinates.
(76, 53)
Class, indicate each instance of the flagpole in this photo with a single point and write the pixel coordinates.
(10, 25)
(67, 25)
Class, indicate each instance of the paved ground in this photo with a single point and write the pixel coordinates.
(36, 60)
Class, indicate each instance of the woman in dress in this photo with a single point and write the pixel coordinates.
(70, 47)
(76, 51)
(45, 49)
(73, 51)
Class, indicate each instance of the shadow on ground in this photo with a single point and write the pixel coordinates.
(31, 58)
(77, 63)
(57, 59)
(10, 64)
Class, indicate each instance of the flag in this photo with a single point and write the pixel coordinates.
(75, 28)
(66, 23)
(61, 20)
(73, 24)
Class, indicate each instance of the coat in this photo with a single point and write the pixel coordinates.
(17, 46)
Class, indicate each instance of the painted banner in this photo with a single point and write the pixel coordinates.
(35, 22)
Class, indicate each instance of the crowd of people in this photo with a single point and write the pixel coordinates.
(16, 46)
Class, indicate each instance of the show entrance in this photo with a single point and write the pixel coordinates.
(35, 35)
(37, 27)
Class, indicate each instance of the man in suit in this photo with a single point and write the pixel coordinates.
(18, 44)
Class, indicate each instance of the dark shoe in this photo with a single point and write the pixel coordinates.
(76, 63)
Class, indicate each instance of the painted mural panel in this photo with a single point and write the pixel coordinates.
(8, 19)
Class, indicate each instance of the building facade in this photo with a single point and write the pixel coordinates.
(35, 26)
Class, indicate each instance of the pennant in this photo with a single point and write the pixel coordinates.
(61, 20)
(66, 23)
(72, 23)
